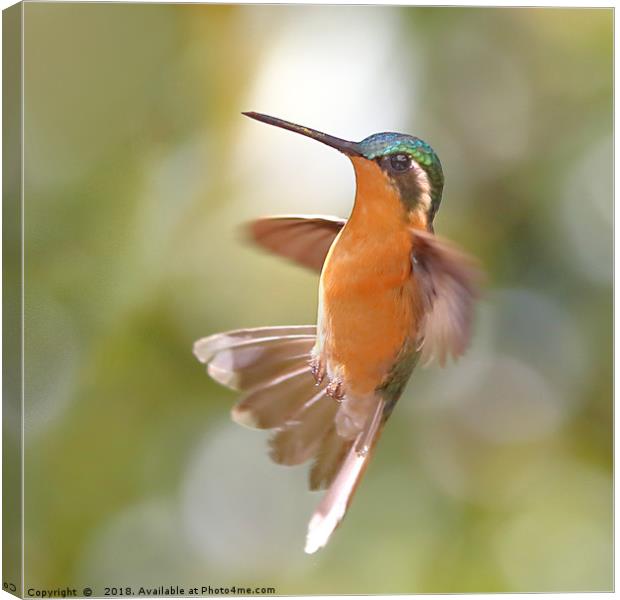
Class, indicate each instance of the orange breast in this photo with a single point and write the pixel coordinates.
(368, 296)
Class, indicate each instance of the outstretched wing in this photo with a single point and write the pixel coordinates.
(448, 280)
(304, 239)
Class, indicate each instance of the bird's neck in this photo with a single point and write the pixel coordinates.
(378, 208)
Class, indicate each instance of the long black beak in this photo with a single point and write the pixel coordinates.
(348, 148)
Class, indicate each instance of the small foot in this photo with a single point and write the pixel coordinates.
(317, 369)
(335, 389)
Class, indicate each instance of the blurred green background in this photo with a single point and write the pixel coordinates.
(493, 475)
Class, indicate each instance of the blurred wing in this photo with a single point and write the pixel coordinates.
(304, 239)
(448, 280)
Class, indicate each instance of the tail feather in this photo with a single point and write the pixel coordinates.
(269, 364)
(274, 403)
(246, 379)
(299, 439)
(247, 358)
(329, 458)
(206, 349)
(336, 500)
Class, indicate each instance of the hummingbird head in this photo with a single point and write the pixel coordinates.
(411, 165)
(408, 162)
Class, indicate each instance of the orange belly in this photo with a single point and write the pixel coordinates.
(369, 301)
(368, 309)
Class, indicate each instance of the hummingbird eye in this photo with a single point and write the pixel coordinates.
(400, 162)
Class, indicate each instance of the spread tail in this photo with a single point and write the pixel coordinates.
(270, 366)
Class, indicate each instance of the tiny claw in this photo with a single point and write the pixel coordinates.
(335, 390)
(317, 369)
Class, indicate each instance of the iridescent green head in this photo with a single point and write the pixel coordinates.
(409, 162)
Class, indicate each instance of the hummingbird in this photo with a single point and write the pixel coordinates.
(391, 294)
